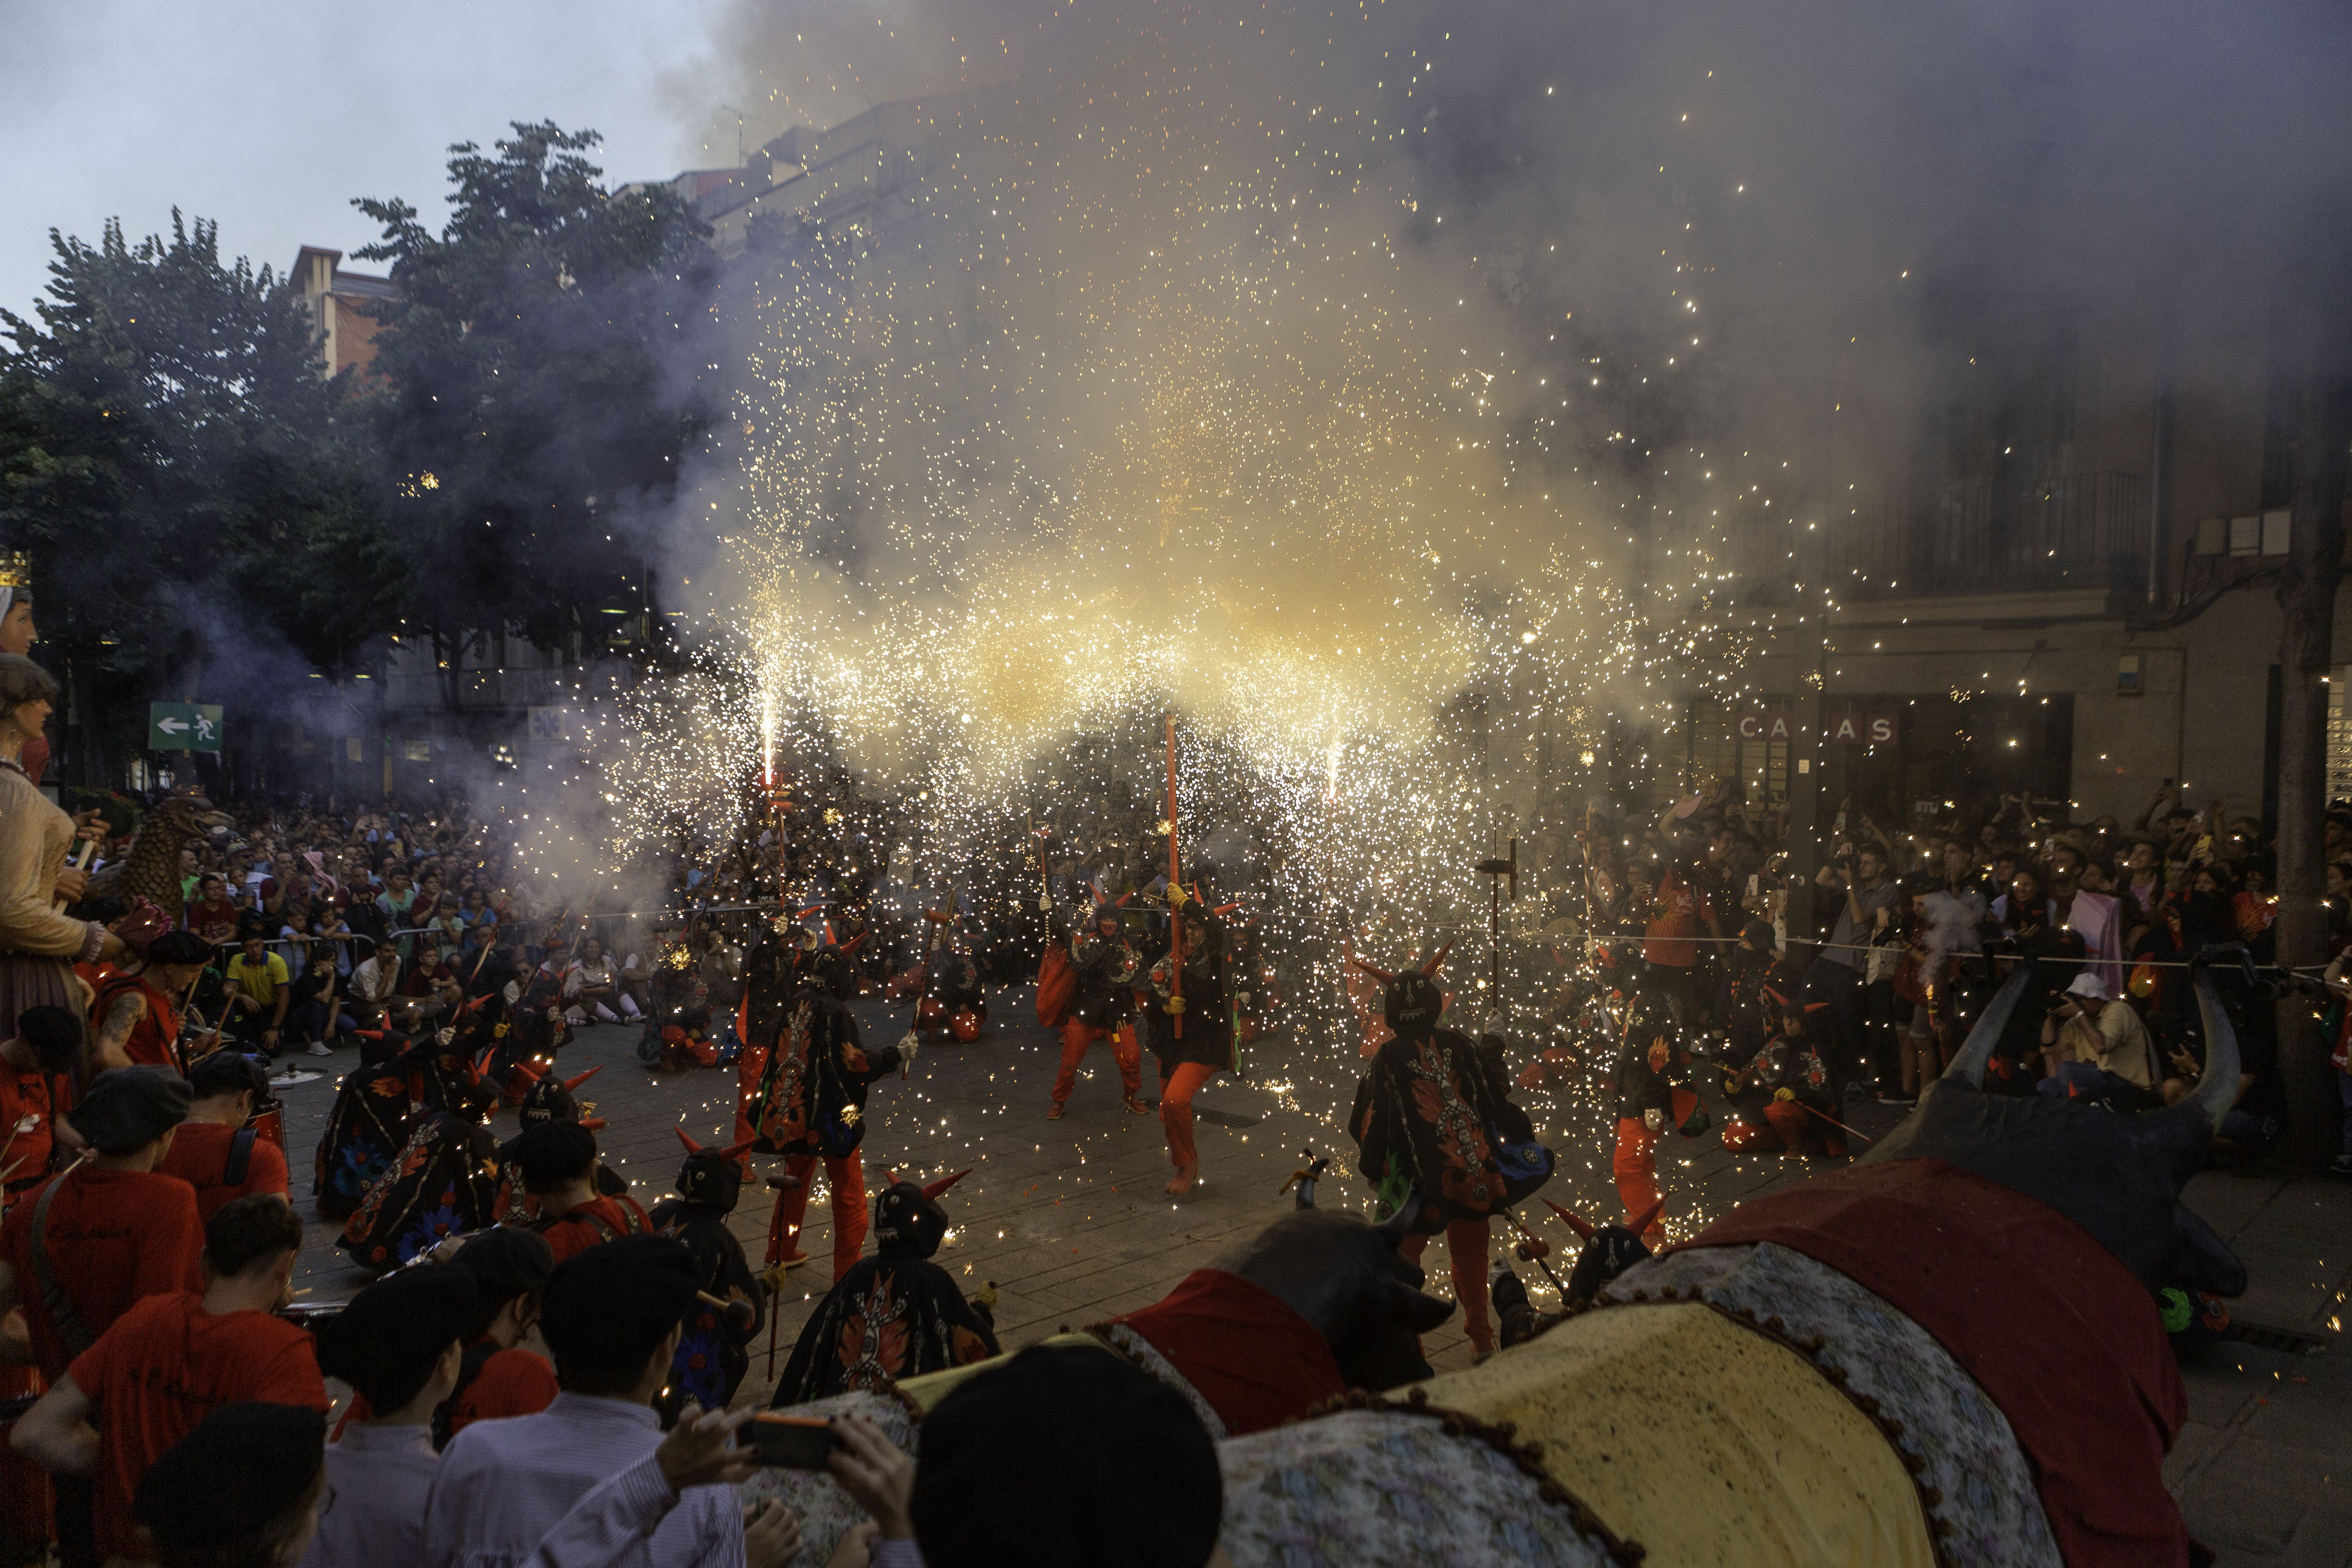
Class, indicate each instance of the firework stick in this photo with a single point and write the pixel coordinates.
(1175, 908)
(1537, 1259)
(1839, 1125)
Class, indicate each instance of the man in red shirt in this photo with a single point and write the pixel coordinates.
(76, 1251)
(214, 1150)
(499, 1378)
(171, 1361)
(558, 1162)
(35, 1084)
(138, 1014)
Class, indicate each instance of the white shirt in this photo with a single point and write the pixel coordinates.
(504, 1485)
(374, 979)
(374, 1508)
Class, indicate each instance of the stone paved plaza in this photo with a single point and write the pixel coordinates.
(1069, 1219)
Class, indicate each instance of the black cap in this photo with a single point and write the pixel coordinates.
(386, 1343)
(229, 1072)
(507, 1262)
(241, 1468)
(550, 1154)
(610, 1306)
(1134, 1483)
(1757, 934)
(126, 1109)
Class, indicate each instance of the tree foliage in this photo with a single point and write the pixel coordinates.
(169, 457)
(539, 394)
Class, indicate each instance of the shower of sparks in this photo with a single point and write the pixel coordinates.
(1143, 385)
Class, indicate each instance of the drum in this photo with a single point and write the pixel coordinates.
(930, 1014)
(269, 1122)
(964, 1025)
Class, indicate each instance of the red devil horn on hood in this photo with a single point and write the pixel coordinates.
(482, 1062)
(691, 1147)
(1580, 1226)
(1120, 902)
(1646, 1218)
(583, 1078)
(1383, 975)
(889, 1177)
(1436, 961)
(854, 942)
(933, 1189)
(737, 1150)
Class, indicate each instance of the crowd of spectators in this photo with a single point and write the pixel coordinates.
(1910, 926)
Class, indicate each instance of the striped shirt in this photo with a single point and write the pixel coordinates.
(373, 1507)
(504, 1485)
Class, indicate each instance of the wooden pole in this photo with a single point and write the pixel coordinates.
(1176, 890)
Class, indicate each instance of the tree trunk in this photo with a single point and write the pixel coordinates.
(2319, 358)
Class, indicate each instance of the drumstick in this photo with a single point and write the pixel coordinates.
(80, 863)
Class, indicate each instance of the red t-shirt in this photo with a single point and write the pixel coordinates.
(199, 1156)
(575, 1233)
(149, 1041)
(113, 1237)
(164, 1367)
(26, 1117)
(514, 1382)
(1672, 931)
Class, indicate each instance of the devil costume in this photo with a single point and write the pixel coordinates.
(894, 1314)
(1205, 1045)
(1652, 1095)
(811, 1103)
(366, 1127)
(1790, 1090)
(447, 1181)
(1101, 980)
(714, 1352)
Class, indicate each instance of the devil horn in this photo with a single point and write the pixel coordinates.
(1969, 1067)
(933, 1189)
(691, 1147)
(1436, 961)
(1581, 1227)
(889, 1177)
(1383, 975)
(583, 1078)
(2216, 1087)
(737, 1150)
(1646, 1218)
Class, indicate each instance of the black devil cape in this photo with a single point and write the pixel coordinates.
(366, 1127)
(894, 1315)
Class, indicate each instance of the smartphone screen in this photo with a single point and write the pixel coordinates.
(792, 1442)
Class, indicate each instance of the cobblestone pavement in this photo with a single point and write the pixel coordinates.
(1070, 1220)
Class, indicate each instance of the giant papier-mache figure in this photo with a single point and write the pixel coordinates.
(1833, 1373)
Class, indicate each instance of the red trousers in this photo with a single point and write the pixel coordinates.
(1176, 1110)
(847, 1176)
(1078, 1037)
(1636, 1170)
(1794, 1123)
(748, 1066)
(1467, 1243)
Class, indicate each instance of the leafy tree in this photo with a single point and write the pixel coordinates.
(171, 459)
(537, 396)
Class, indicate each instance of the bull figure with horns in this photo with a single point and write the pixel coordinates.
(1834, 1372)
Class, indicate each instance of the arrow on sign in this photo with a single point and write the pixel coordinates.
(172, 726)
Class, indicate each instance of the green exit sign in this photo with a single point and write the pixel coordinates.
(183, 727)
